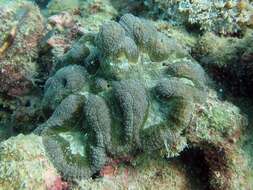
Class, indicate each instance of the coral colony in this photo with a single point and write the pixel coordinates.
(114, 94)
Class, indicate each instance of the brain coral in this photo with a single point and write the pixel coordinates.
(68, 111)
(98, 123)
(112, 41)
(125, 111)
(19, 37)
(160, 108)
(119, 120)
(132, 35)
(156, 44)
(132, 98)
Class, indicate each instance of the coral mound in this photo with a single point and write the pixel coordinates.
(124, 112)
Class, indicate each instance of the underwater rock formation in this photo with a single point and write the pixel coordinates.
(57, 6)
(22, 156)
(229, 60)
(65, 28)
(19, 46)
(42, 3)
(26, 115)
(5, 131)
(222, 17)
(148, 173)
(45, 176)
(215, 133)
(96, 12)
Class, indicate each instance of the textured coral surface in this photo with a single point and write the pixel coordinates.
(114, 94)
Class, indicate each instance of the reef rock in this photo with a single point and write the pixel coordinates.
(222, 17)
(229, 60)
(22, 28)
(24, 165)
